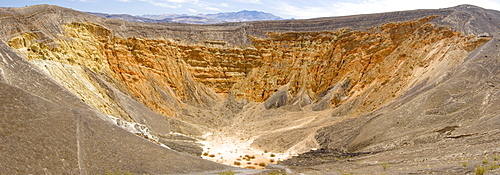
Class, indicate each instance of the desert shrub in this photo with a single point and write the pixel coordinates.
(485, 161)
(493, 166)
(227, 173)
(385, 166)
(480, 170)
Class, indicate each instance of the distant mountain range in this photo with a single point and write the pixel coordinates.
(240, 16)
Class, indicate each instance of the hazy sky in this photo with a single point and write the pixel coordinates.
(298, 9)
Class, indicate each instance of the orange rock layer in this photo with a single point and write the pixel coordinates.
(378, 65)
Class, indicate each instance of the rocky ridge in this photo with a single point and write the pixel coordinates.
(276, 89)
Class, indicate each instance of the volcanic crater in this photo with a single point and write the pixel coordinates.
(400, 93)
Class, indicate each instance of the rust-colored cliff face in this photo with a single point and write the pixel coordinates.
(326, 68)
(151, 70)
(158, 72)
(379, 65)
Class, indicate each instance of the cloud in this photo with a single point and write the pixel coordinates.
(209, 6)
(249, 1)
(125, 0)
(324, 8)
(189, 5)
(304, 12)
(162, 4)
(181, 1)
(377, 6)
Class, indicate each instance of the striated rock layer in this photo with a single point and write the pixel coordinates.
(270, 90)
(324, 67)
